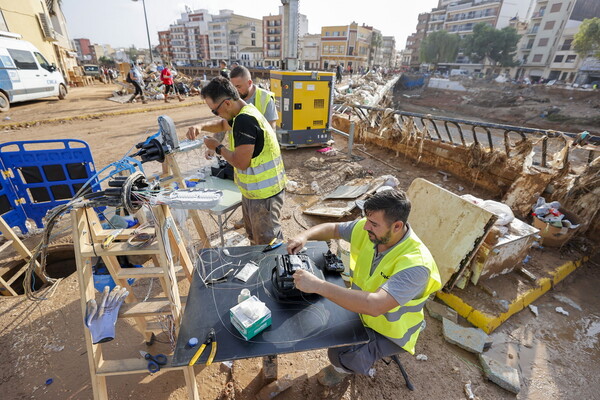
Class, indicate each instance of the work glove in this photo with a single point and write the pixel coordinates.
(101, 320)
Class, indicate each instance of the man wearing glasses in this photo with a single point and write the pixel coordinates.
(255, 156)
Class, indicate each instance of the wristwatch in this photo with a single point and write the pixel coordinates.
(218, 149)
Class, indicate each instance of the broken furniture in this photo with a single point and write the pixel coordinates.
(501, 255)
(296, 325)
(165, 250)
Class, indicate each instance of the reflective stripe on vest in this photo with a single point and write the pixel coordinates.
(265, 177)
(261, 99)
(401, 323)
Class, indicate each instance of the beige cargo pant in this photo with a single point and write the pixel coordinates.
(261, 218)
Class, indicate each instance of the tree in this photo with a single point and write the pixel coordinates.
(106, 61)
(499, 45)
(376, 43)
(587, 39)
(439, 46)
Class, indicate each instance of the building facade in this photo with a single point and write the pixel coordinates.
(346, 45)
(82, 46)
(228, 33)
(388, 52)
(310, 52)
(274, 35)
(546, 51)
(43, 24)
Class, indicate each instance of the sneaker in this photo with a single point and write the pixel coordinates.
(331, 376)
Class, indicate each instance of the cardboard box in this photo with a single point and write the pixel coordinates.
(553, 236)
(250, 327)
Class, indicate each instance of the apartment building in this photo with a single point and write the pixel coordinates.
(43, 24)
(228, 33)
(545, 51)
(309, 53)
(413, 43)
(82, 46)
(347, 45)
(274, 36)
(186, 41)
(388, 52)
(252, 57)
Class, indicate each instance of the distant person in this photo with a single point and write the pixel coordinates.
(224, 72)
(166, 76)
(135, 78)
(338, 74)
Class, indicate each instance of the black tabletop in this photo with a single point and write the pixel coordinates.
(307, 323)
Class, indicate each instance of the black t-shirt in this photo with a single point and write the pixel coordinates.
(246, 130)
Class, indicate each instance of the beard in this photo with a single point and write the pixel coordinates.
(384, 239)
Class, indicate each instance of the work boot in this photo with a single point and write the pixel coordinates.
(332, 376)
(144, 100)
(238, 224)
(131, 99)
(166, 100)
(180, 98)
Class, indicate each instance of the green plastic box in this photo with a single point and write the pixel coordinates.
(250, 327)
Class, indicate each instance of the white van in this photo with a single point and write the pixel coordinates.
(25, 74)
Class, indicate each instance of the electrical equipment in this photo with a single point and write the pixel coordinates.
(224, 170)
(282, 277)
(332, 263)
(163, 142)
(304, 101)
(188, 199)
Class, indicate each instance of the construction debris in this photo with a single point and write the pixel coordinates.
(470, 339)
(502, 375)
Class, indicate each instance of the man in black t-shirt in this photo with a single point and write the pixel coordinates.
(255, 155)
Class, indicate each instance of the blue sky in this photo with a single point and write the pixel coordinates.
(120, 23)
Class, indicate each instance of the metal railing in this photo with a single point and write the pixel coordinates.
(461, 132)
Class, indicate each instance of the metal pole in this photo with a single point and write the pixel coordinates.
(351, 138)
(147, 31)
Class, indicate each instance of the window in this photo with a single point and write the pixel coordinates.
(567, 44)
(555, 7)
(571, 58)
(549, 25)
(23, 59)
(543, 42)
(537, 58)
(558, 59)
(535, 28)
(42, 61)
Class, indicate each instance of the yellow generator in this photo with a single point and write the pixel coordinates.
(304, 101)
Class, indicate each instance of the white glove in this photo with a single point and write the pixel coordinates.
(101, 321)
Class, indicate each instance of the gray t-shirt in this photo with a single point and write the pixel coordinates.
(403, 286)
(270, 113)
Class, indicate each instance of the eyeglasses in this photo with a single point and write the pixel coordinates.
(216, 110)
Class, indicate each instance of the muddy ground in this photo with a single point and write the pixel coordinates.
(558, 356)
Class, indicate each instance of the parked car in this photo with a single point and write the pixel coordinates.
(91, 70)
(25, 74)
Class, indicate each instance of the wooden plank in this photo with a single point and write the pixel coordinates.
(147, 272)
(7, 287)
(6, 245)
(18, 274)
(150, 307)
(119, 249)
(130, 366)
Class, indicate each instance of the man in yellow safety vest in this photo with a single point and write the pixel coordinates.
(255, 156)
(392, 275)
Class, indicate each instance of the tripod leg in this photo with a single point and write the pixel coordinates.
(409, 385)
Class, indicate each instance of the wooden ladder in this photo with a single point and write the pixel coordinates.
(88, 236)
(14, 241)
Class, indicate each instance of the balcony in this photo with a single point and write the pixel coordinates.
(538, 14)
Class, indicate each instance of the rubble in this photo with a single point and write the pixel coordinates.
(470, 339)
(440, 311)
(502, 375)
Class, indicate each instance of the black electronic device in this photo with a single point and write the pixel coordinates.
(332, 263)
(223, 171)
(282, 278)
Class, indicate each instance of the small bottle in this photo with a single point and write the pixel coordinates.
(244, 295)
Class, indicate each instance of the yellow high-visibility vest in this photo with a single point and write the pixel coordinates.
(265, 176)
(402, 323)
(261, 99)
